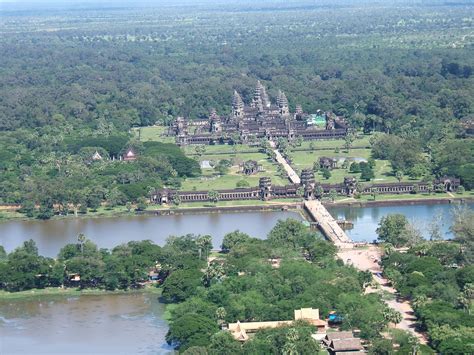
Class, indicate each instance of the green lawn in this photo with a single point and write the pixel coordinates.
(228, 203)
(211, 180)
(57, 291)
(301, 160)
(360, 142)
(153, 133)
(305, 160)
(416, 196)
(221, 149)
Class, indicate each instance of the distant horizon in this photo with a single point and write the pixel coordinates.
(24, 5)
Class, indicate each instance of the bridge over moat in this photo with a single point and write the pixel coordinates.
(326, 223)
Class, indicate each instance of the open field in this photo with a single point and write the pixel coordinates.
(211, 180)
(306, 159)
(362, 141)
(402, 197)
(221, 149)
(153, 133)
(229, 204)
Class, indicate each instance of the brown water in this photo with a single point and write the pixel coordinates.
(105, 324)
(52, 235)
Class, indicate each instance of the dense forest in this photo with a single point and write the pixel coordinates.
(76, 82)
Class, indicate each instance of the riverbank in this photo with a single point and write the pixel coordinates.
(402, 199)
(73, 292)
(101, 212)
(258, 205)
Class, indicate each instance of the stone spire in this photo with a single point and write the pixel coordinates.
(237, 106)
(282, 103)
(299, 113)
(265, 98)
(257, 101)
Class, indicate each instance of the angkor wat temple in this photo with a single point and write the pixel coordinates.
(260, 119)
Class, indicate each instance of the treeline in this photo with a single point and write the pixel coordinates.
(408, 156)
(68, 93)
(437, 277)
(81, 265)
(50, 172)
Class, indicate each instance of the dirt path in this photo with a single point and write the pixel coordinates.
(365, 259)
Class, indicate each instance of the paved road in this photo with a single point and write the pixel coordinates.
(294, 178)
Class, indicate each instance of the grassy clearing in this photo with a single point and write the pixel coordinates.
(153, 133)
(305, 160)
(211, 180)
(236, 203)
(360, 142)
(447, 196)
(220, 149)
(302, 160)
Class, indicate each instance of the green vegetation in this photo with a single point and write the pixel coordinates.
(229, 178)
(437, 277)
(241, 284)
(386, 69)
(124, 267)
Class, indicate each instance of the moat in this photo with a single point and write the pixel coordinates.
(134, 322)
(109, 232)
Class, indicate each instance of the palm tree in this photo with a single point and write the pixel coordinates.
(300, 191)
(215, 271)
(319, 191)
(204, 244)
(399, 175)
(213, 195)
(221, 314)
(465, 298)
(374, 192)
(81, 239)
(392, 316)
(292, 338)
(419, 301)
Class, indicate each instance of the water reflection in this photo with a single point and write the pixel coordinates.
(366, 219)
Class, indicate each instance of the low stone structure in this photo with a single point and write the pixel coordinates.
(250, 167)
(327, 163)
(267, 191)
(241, 331)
